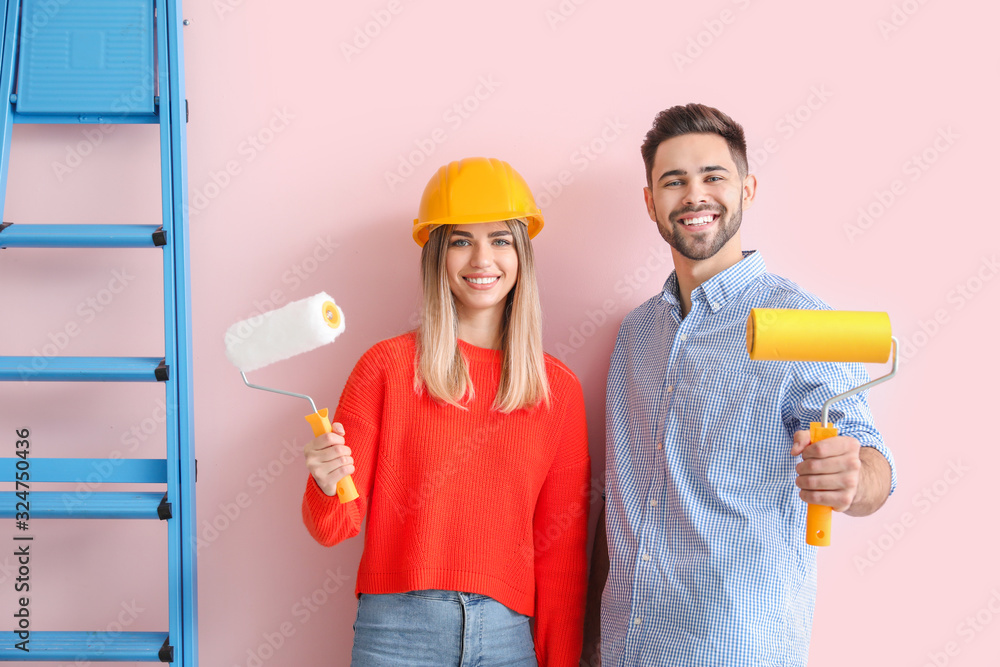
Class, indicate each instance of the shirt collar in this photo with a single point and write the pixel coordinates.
(722, 287)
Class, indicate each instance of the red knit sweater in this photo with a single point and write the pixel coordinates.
(466, 500)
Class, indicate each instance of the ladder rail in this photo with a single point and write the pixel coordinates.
(177, 324)
(8, 58)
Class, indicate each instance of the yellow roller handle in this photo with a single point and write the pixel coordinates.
(819, 518)
(320, 422)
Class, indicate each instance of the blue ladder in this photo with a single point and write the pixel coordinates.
(111, 61)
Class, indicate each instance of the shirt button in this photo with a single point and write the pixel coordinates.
(638, 621)
(670, 388)
(659, 445)
(653, 502)
(715, 304)
(684, 336)
(645, 556)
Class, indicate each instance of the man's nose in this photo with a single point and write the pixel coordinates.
(696, 194)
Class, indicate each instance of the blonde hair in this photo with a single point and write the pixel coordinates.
(440, 366)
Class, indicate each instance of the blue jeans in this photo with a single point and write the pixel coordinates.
(438, 629)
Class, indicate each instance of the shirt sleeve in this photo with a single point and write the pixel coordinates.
(328, 520)
(814, 383)
(560, 536)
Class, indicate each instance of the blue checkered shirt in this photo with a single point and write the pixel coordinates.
(706, 530)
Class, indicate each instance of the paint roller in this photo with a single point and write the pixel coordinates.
(822, 335)
(297, 327)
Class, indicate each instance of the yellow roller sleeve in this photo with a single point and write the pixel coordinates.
(780, 334)
(819, 517)
(320, 422)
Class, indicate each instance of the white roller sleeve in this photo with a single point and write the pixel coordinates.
(279, 334)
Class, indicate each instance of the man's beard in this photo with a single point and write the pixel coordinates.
(695, 247)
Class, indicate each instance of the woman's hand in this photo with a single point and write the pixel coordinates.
(329, 460)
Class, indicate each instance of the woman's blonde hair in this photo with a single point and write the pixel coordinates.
(440, 366)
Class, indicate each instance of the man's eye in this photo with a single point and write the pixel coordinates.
(714, 178)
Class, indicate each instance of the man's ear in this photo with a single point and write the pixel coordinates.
(647, 193)
(749, 190)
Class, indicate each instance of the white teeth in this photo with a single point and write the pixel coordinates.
(483, 281)
(703, 220)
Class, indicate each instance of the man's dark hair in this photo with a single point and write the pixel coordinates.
(694, 118)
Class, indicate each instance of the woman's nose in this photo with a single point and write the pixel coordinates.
(482, 255)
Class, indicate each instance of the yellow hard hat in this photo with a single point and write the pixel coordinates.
(476, 189)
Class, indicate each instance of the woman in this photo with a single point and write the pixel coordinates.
(468, 446)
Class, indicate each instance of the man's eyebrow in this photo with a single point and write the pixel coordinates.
(703, 170)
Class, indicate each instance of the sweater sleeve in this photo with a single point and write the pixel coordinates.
(560, 536)
(327, 519)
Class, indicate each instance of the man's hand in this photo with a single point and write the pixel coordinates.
(830, 472)
(839, 473)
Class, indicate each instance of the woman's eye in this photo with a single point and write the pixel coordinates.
(501, 242)
(460, 242)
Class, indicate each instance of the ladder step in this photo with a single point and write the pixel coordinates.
(83, 505)
(22, 118)
(80, 236)
(91, 471)
(86, 646)
(82, 369)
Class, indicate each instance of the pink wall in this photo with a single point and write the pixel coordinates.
(841, 103)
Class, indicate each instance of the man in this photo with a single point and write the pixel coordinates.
(704, 556)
